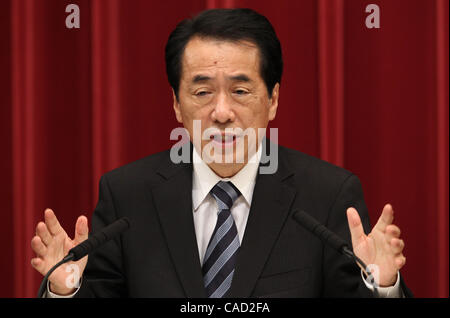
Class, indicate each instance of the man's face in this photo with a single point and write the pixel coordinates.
(221, 86)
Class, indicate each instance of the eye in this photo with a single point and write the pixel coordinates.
(202, 93)
(240, 91)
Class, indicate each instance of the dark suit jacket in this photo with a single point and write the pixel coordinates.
(158, 256)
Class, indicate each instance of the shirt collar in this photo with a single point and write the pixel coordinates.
(204, 179)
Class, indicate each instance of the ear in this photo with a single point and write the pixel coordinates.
(176, 108)
(273, 102)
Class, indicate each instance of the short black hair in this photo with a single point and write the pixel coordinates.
(227, 25)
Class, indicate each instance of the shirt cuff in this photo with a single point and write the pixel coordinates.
(386, 292)
(49, 294)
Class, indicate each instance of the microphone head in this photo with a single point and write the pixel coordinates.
(127, 221)
(124, 223)
(319, 230)
(100, 237)
(306, 220)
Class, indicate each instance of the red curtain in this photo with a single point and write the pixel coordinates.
(76, 103)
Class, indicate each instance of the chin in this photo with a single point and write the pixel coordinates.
(226, 170)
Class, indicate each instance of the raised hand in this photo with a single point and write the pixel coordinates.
(382, 247)
(51, 244)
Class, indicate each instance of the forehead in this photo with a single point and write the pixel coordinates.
(211, 55)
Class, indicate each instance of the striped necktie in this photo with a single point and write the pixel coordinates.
(221, 254)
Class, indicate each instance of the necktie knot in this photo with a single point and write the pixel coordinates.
(225, 193)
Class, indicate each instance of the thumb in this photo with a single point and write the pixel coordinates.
(81, 230)
(355, 225)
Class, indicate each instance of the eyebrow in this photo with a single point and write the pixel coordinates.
(238, 78)
(200, 78)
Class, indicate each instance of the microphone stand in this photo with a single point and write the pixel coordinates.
(88, 245)
(332, 240)
(349, 253)
(41, 290)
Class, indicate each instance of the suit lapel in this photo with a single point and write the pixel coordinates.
(173, 201)
(270, 206)
(272, 199)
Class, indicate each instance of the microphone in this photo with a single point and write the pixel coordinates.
(87, 246)
(323, 233)
(331, 239)
(99, 238)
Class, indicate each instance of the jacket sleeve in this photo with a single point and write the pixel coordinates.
(342, 276)
(103, 276)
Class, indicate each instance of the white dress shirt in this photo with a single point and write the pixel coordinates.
(205, 206)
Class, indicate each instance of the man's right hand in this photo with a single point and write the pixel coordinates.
(51, 244)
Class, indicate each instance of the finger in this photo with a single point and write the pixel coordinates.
(43, 233)
(386, 218)
(38, 264)
(52, 222)
(38, 247)
(355, 225)
(400, 261)
(397, 245)
(81, 230)
(392, 231)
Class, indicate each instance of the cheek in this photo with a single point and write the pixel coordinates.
(258, 114)
(191, 110)
(192, 113)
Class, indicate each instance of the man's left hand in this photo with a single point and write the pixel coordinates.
(382, 247)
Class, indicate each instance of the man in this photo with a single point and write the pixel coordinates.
(217, 226)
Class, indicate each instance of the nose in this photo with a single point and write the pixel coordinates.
(223, 111)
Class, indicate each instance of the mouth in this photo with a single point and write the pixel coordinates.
(224, 140)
